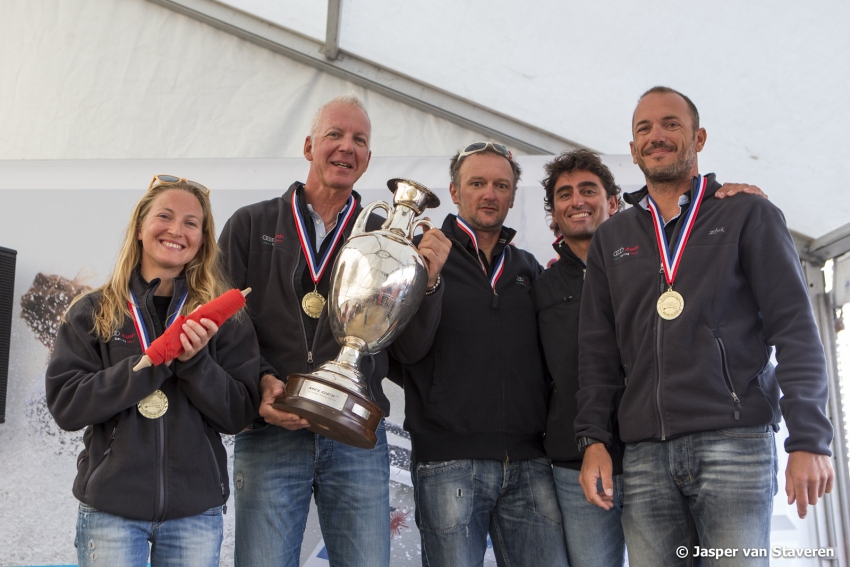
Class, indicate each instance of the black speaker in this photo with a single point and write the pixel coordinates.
(7, 290)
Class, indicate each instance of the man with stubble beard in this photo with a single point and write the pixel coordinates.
(475, 388)
(686, 350)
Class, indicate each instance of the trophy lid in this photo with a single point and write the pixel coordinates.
(413, 194)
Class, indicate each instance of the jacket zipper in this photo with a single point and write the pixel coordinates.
(160, 473)
(658, 366)
(502, 386)
(495, 302)
(494, 305)
(300, 319)
(159, 436)
(727, 376)
(658, 323)
(105, 455)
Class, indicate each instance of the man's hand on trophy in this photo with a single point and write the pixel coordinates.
(434, 249)
(272, 388)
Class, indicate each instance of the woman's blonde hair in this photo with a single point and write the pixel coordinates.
(203, 273)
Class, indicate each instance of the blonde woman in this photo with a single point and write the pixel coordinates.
(152, 478)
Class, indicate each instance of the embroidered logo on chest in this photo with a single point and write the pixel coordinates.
(272, 240)
(625, 251)
(126, 338)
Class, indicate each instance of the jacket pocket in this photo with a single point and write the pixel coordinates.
(102, 462)
(437, 386)
(727, 376)
(556, 301)
(214, 465)
(257, 426)
(83, 456)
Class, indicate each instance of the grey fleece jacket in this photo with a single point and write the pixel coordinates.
(708, 369)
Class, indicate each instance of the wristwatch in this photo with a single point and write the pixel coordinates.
(585, 442)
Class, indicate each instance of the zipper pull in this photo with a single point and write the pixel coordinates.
(111, 439)
(495, 302)
(309, 357)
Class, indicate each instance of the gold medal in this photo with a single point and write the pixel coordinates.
(312, 304)
(670, 305)
(154, 406)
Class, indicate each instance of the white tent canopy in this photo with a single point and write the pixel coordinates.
(104, 79)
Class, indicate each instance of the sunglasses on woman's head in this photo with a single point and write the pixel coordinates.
(160, 180)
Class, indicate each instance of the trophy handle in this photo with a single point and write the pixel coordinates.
(360, 224)
(417, 224)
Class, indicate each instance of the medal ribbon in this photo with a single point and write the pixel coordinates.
(139, 321)
(670, 263)
(316, 270)
(500, 264)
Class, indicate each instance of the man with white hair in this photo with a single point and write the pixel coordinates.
(279, 464)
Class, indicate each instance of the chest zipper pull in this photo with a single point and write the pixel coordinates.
(495, 303)
(309, 357)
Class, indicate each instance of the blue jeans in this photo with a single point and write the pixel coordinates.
(276, 471)
(712, 489)
(105, 539)
(459, 502)
(594, 536)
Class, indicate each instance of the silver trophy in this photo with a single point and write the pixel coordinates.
(378, 281)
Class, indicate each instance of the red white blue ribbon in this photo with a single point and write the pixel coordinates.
(670, 262)
(317, 269)
(139, 321)
(500, 264)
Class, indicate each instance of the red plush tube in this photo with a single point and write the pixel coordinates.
(168, 345)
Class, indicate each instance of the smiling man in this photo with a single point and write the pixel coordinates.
(682, 354)
(279, 464)
(475, 388)
(580, 194)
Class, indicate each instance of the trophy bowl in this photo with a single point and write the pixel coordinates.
(378, 282)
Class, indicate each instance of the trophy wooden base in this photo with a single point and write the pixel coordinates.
(333, 411)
